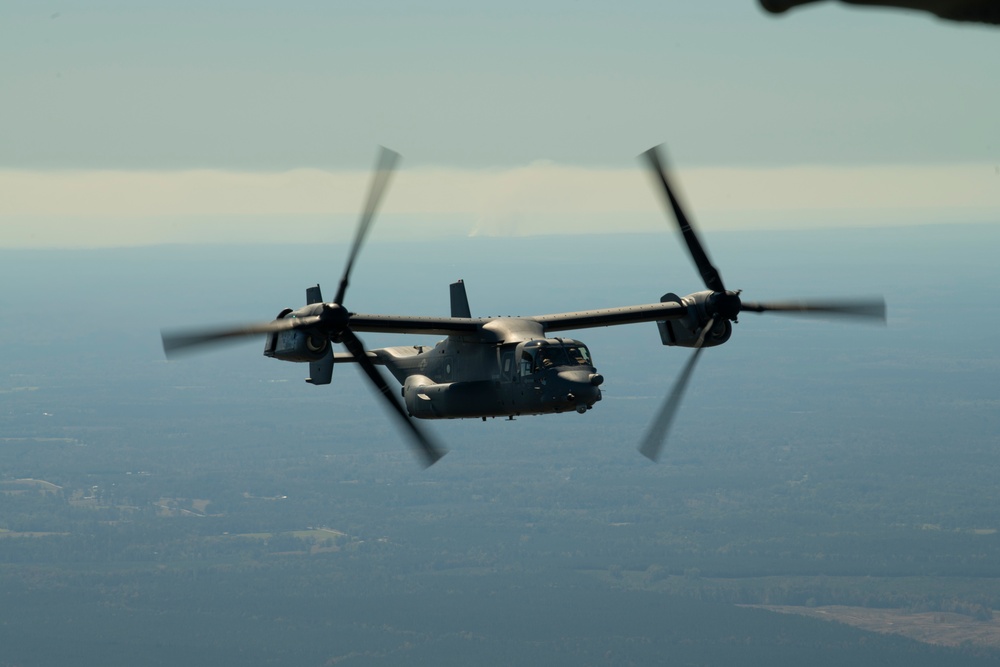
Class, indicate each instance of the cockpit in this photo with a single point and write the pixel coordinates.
(538, 355)
(540, 376)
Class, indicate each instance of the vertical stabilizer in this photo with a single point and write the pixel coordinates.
(459, 300)
(321, 370)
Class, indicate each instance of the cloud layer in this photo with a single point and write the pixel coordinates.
(109, 208)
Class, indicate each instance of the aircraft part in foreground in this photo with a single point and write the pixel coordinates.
(977, 11)
(503, 366)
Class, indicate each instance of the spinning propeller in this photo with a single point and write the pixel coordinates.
(725, 305)
(333, 320)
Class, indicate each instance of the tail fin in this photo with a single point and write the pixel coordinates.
(459, 300)
(321, 370)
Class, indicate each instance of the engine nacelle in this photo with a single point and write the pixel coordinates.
(683, 332)
(301, 345)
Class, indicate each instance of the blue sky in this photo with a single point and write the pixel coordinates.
(116, 88)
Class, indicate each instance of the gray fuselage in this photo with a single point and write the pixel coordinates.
(460, 378)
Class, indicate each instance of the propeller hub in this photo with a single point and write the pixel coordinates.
(725, 304)
(334, 318)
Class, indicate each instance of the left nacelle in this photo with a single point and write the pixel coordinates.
(301, 345)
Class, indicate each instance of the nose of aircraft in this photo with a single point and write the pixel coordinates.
(580, 387)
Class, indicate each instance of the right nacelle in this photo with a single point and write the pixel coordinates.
(683, 332)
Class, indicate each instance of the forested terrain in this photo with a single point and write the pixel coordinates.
(218, 510)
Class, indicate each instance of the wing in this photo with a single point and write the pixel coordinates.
(606, 317)
(581, 319)
(446, 326)
(174, 342)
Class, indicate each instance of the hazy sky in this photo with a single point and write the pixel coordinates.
(488, 103)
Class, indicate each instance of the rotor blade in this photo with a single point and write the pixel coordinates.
(708, 272)
(866, 308)
(656, 435)
(380, 179)
(430, 451)
(182, 341)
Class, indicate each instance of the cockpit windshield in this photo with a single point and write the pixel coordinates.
(564, 354)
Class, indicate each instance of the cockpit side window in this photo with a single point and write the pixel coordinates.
(527, 362)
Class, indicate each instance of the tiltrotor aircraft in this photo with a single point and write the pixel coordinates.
(502, 366)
